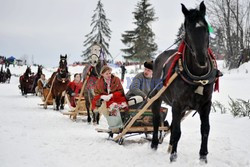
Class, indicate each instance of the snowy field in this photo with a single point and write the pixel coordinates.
(33, 137)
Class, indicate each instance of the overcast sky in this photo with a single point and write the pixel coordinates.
(48, 28)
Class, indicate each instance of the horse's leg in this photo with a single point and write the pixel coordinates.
(175, 130)
(205, 127)
(156, 122)
(25, 90)
(97, 118)
(88, 109)
(93, 116)
(62, 103)
(57, 102)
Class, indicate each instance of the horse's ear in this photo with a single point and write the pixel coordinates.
(66, 56)
(185, 11)
(60, 56)
(203, 8)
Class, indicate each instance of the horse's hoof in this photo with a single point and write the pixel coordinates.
(61, 108)
(203, 159)
(89, 119)
(166, 123)
(173, 157)
(154, 146)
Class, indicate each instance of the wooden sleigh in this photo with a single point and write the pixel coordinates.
(139, 123)
(130, 126)
(80, 108)
(47, 95)
(142, 125)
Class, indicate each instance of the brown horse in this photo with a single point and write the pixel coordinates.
(37, 76)
(58, 83)
(26, 82)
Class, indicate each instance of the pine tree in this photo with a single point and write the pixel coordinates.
(217, 43)
(100, 33)
(140, 41)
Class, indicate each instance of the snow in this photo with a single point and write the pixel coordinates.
(31, 136)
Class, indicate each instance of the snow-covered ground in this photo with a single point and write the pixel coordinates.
(33, 137)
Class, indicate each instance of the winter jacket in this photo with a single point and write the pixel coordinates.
(140, 86)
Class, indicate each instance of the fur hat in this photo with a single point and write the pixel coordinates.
(149, 65)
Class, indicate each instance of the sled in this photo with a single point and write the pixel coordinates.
(80, 102)
(82, 110)
(137, 129)
(142, 125)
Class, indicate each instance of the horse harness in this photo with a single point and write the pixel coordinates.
(60, 78)
(181, 68)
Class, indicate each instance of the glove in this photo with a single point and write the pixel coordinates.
(106, 97)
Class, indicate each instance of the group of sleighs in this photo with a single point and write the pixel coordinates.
(5, 75)
(184, 79)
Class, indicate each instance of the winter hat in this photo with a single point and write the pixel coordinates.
(149, 65)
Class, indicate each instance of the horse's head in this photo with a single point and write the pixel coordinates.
(97, 59)
(63, 61)
(196, 34)
(95, 54)
(63, 69)
(39, 69)
(28, 71)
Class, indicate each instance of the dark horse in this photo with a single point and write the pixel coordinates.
(58, 83)
(193, 87)
(94, 68)
(26, 81)
(37, 76)
(5, 75)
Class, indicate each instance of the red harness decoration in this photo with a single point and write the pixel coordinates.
(216, 86)
(176, 57)
(180, 54)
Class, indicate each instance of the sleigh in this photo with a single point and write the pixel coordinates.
(135, 122)
(80, 108)
(140, 124)
(45, 95)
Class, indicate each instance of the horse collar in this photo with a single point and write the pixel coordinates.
(199, 81)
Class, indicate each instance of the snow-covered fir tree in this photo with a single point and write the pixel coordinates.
(100, 32)
(217, 44)
(140, 41)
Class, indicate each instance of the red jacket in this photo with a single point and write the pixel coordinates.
(115, 88)
(74, 88)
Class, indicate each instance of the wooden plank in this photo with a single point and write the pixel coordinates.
(137, 129)
(47, 98)
(146, 107)
(147, 129)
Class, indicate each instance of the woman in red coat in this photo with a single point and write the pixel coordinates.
(109, 88)
(74, 88)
